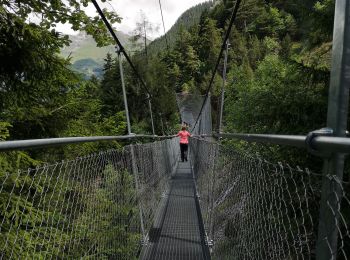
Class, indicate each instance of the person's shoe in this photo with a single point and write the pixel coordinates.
(186, 159)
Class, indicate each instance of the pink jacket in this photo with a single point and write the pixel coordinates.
(183, 136)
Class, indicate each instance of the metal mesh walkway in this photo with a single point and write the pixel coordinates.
(178, 232)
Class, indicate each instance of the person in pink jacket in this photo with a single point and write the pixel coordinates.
(184, 142)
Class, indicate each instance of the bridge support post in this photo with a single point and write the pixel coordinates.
(333, 167)
(124, 92)
(133, 159)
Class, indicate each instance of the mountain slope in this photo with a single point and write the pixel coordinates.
(86, 57)
(189, 18)
(83, 46)
(88, 67)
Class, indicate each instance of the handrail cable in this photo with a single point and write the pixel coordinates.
(223, 46)
(48, 142)
(319, 143)
(121, 47)
(165, 36)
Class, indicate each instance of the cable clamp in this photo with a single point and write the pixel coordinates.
(118, 49)
(326, 131)
(210, 243)
(148, 97)
(145, 240)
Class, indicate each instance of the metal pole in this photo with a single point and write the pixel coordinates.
(124, 92)
(150, 111)
(333, 167)
(223, 88)
(133, 162)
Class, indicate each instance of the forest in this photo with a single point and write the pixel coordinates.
(278, 73)
(278, 78)
(278, 69)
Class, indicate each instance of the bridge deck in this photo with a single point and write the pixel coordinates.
(178, 231)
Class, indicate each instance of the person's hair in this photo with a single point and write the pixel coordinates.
(183, 128)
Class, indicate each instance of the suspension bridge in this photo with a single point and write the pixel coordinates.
(141, 202)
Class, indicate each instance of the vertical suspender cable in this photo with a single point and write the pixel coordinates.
(161, 12)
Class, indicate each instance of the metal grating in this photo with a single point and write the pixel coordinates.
(177, 235)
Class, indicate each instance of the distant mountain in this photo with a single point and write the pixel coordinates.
(86, 57)
(88, 67)
(188, 19)
(83, 46)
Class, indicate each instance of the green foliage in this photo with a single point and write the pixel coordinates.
(37, 85)
(52, 12)
(273, 22)
(111, 94)
(10, 162)
(113, 204)
(323, 17)
(26, 220)
(278, 99)
(20, 213)
(83, 109)
(208, 44)
(42, 97)
(4, 130)
(187, 20)
(37, 214)
(192, 58)
(35, 80)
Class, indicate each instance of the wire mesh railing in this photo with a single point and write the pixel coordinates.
(97, 206)
(253, 209)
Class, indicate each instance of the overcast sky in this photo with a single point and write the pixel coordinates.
(129, 10)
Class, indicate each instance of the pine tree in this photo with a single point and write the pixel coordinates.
(111, 90)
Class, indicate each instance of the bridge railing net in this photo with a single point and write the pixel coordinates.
(84, 208)
(253, 209)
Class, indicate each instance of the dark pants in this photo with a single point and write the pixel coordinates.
(184, 148)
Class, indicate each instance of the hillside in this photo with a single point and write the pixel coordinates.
(188, 19)
(88, 67)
